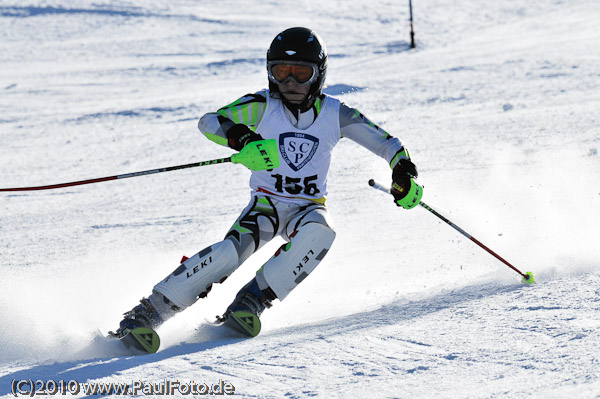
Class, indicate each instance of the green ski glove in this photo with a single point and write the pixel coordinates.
(407, 193)
(258, 155)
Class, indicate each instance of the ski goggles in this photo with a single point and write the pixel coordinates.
(302, 73)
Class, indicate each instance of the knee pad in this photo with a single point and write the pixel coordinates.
(195, 276)
(294, 261)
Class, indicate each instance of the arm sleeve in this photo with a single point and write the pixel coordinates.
(248, 110)
(355, 126)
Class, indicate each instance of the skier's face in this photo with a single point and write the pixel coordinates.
(292, 92)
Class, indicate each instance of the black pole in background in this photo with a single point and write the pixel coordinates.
(412, 32)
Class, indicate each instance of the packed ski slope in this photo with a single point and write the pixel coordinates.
(498, 105)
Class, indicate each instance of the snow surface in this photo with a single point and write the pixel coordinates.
(498, 105)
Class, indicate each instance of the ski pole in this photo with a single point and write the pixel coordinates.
(412, 31)
(123, 176)
(527, 277)
(257, 155)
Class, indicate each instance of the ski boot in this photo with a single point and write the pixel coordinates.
(137, 328)
(243, 313)
(150, 313)
(143, 315)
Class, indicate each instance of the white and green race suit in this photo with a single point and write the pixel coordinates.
(288, 201)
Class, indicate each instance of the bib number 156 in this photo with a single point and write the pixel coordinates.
(296, 185)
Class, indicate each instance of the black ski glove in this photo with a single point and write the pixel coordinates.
(239, 135)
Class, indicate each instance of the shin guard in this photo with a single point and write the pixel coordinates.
(195, 276)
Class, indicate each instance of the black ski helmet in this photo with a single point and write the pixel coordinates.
(300, 44)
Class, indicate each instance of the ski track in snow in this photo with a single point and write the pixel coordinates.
(498, 105)
(286, 360)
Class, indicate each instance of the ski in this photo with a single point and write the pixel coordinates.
(141, 338)
(245, 323)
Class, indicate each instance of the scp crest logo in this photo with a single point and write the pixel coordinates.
(297, 149)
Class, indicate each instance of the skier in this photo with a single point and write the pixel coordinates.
(288, 201)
